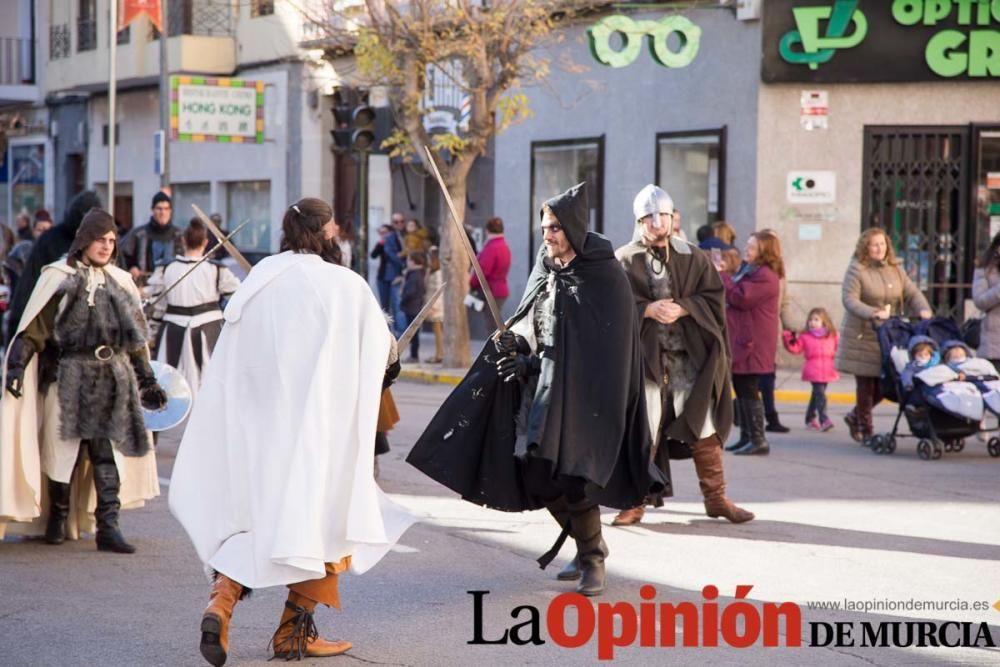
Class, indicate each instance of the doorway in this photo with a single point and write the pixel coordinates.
(916, 185)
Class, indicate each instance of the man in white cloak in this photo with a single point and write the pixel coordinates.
(76, 376)
(273, 480)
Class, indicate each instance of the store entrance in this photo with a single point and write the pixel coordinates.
(916, 186)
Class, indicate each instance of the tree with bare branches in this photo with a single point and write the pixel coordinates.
(489, 50)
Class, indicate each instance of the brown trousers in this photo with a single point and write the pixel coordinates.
(323, 590)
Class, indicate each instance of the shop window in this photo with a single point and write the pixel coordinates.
(987, 180)
(691, 167)
(261, 7)
(250, 200)
(185, 194)
(558, 165)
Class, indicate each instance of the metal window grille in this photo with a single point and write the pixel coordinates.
(59, 41)
(86, 34)
(916, 185)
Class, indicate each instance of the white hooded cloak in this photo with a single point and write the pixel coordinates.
(274, 478)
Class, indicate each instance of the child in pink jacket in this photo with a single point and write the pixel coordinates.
(818, 343)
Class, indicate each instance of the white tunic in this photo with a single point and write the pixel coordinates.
(208, 283)
(273, 478)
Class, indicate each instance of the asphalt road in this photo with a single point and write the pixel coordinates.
(834, 523)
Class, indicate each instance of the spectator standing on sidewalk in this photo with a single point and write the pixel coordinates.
(818, 343)
(875, 288)
(767, 381)
(986, 296)
(494, 259)
(752, 301)
(412, 299)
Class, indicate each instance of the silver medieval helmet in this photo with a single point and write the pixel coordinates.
(652, 200)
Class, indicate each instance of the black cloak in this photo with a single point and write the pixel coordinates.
(698, 288)
(594, 424)
(49, 247)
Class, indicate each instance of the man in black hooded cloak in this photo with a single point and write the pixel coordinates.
(552, 413)
(49, 247)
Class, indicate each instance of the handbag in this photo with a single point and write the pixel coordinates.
(972, 331)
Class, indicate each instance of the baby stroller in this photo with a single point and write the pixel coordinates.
(938, 430)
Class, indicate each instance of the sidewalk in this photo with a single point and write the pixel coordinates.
(789, 386)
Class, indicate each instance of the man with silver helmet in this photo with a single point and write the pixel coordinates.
(680, 300)
(77, 374)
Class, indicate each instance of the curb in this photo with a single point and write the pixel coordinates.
(783, 395)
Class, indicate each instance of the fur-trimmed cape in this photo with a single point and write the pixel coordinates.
(100, 399)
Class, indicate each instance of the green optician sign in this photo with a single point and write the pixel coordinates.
(632, 34)
(878, 40)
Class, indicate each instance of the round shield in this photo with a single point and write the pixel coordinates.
(179, 399)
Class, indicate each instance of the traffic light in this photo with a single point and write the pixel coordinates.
(342, 112)
(363, 120)
(354, 121)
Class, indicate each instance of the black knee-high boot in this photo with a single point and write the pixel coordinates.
(585, 523)
(106, 481)
(55, 530)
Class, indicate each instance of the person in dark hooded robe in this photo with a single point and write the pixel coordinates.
(681, 304)
(552, 412)
(49, 247)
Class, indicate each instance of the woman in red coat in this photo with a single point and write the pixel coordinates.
(753, 295)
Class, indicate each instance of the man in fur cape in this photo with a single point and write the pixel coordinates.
(569, 374)
(680, 301)
(273, 480)
(77, 374)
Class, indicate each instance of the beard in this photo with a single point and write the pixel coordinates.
(656, 237)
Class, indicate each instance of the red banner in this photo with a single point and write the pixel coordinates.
(129, 10)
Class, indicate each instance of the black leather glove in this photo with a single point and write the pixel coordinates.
(21, 352)
(508, 342)
(391, 373)
(151, 394)
(519, 367)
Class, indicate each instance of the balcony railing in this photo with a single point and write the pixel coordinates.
(86, 34)
(17, 61)
(60, 42)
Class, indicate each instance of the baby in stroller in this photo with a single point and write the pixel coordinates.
(962, 384)
(940, 408)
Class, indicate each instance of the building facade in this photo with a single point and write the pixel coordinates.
(214, 50)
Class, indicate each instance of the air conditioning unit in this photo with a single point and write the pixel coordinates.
(748, 10)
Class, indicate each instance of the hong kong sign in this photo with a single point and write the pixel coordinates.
(220, 110)
(842, 41)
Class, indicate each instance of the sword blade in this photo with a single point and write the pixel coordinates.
(483, 285)
(196, 265)
(233, 251)
(411, 330)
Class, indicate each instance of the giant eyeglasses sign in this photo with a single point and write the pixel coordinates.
(839, 41)
(633, 33)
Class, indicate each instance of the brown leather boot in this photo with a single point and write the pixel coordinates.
(630, 516)
(707, 455)
(297, 636)
(215, 621)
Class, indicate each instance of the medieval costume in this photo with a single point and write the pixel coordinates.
(77, 374)
(570, 433)
(273, 479)
(191, 316)
(686, 362)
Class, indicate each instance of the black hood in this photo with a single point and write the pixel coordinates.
(78, 207)
(573, 213)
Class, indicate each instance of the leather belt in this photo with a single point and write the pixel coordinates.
(100, 353)
(191, 311)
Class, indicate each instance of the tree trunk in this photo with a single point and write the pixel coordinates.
(455, 271)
